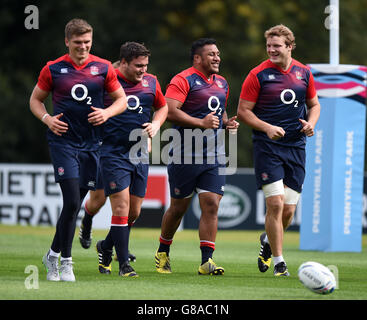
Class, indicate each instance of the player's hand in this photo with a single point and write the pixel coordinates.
(232, 124)
(57, 126)
(98, 116)
(275, 133)
(151, 128)
(307, 128)
(210, 121)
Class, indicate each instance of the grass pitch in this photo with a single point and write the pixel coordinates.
(236, 251)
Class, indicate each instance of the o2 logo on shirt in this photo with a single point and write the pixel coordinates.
(82, 93)
(288, 96)
(137, 103)
(214, 104)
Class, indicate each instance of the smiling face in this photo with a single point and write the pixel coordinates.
(79, 47)
(135, 69)
(278, 51)
(208, 60)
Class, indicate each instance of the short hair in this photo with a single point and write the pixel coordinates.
(281, 30)
(198, 45)
(132, 50)
(77, 27)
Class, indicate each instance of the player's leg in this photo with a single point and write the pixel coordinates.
(116, 181)
(182, 182)
(210, 189)
(170, 222)
(72, 196)
(120, 204)
(96, 201)
(269, 174)
(138, 188)
(67, 174)
(291, 198)
(274, 225)
(134, 213)
(208, 225)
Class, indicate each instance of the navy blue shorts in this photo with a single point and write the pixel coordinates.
(185, 178)
(273, 162)
(119, 173)
(72, 163)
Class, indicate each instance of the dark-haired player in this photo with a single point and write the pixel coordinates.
(278, 100)
(124, 171)
(197, 99)
(77, 81)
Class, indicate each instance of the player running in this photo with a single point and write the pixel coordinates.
(196, 98)
(124, 171)
(77, 81)
(278, 100)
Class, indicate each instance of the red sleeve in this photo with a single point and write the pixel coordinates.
(45, 79)
(250, 88)
(159, 100)
(311, 90)
(111, 82)
(178, 89)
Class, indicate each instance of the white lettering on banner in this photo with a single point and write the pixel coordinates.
(348, 182)
(29, 195)
(317, 182)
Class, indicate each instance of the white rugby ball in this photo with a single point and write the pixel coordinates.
(316, 277)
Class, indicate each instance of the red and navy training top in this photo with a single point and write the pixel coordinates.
(74, 90)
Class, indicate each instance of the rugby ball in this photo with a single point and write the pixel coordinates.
(316, 277)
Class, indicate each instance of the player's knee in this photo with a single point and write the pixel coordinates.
(72, 206)
(274, 205)
(96, 201)
(133, 215)
(210, 206)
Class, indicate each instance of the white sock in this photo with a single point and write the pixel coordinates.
(63, 259)
(53, 253)
(277, 260)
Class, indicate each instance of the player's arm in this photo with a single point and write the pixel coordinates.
(246, 115)
(176, 115)
(313, 114)
(230, 123)
(99, 115)
(37, 106)
(159, 116)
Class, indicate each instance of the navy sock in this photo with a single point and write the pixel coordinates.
(164, 245)
(206, 253)
(120, 237)
(164, 248)
(107, 244)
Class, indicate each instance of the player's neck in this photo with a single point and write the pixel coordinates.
(284, 65)
(203, 72)
(77, 61)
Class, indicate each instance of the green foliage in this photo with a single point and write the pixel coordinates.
(168, 28)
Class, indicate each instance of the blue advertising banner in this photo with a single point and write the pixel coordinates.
(332, 198)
